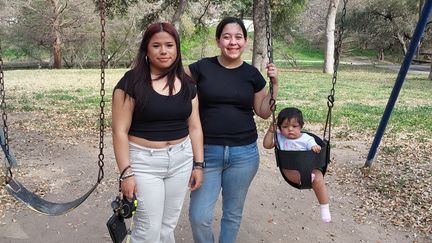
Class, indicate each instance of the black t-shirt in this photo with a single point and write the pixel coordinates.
(163, 117)
(226, 99)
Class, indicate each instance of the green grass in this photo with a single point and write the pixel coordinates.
(12, 54)
(300, 49)
(363, 53)
(361, 95)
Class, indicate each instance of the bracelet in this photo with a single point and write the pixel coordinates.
(199, 165)
(122, 174)
(130, 174)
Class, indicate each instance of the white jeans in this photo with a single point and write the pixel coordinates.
(162, 177)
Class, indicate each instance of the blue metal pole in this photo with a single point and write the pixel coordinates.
(421, 24)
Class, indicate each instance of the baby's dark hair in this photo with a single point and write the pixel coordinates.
(290, 113)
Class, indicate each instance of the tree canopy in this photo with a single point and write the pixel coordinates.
(67, 31)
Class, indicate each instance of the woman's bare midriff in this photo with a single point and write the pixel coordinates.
(154, 144)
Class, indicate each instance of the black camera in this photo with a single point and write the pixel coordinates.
(117, 228)
(124, 207)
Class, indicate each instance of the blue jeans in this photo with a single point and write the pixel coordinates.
(231, 169)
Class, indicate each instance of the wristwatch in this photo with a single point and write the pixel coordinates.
(199, 165)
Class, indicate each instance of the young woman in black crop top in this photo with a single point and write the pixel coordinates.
(157, 135)
(230, 93)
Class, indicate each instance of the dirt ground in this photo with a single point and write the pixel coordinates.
(274, 211)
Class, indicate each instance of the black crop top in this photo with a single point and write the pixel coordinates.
(164, 117)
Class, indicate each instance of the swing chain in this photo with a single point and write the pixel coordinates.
(4, 117)
(268, 31)
(330, 98)
(102, 92)
(272, 101)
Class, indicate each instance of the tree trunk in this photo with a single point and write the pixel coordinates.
(57, 51)
(420, 9)
(56, 34)
(419, 16)
(430, 73)
(381, 54)
(330, 31)
(259, 54)
(176, 19)
(402, 42)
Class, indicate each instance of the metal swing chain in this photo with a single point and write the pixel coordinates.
(330, 98)
(272, 101)
(102, 92)
(4, 118)
(101, 155)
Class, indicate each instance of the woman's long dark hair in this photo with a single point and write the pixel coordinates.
(142, 82)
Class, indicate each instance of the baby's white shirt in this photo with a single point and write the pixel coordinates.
(303, 143)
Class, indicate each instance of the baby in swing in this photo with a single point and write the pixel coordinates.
(290, 138)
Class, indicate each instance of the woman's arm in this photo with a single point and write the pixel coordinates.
(122, 110)
(196, 135)
(262, 98)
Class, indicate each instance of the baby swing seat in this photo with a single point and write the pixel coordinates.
(304, 162)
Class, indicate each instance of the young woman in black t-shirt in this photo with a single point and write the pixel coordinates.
(157, 135)
(230, 93)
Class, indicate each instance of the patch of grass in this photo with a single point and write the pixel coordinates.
(13, 53)
(78, 99)
(361, 94)
(392, 150)
(60, 100)
(413, 118)
(363, 52)
(55, 95)
(359, 116)
(26, 104)
(300, 49)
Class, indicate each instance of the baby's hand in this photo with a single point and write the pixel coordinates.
(272, 128)
(316, 148)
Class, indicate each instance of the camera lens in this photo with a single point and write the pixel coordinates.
(128, 207)
(115, 204)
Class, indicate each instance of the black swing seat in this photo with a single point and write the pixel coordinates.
(304, 162)
(31, 200)
(40, 205)
(8, 153)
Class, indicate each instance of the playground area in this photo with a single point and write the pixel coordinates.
(55, 141)
(61, 169)
(56, 138)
